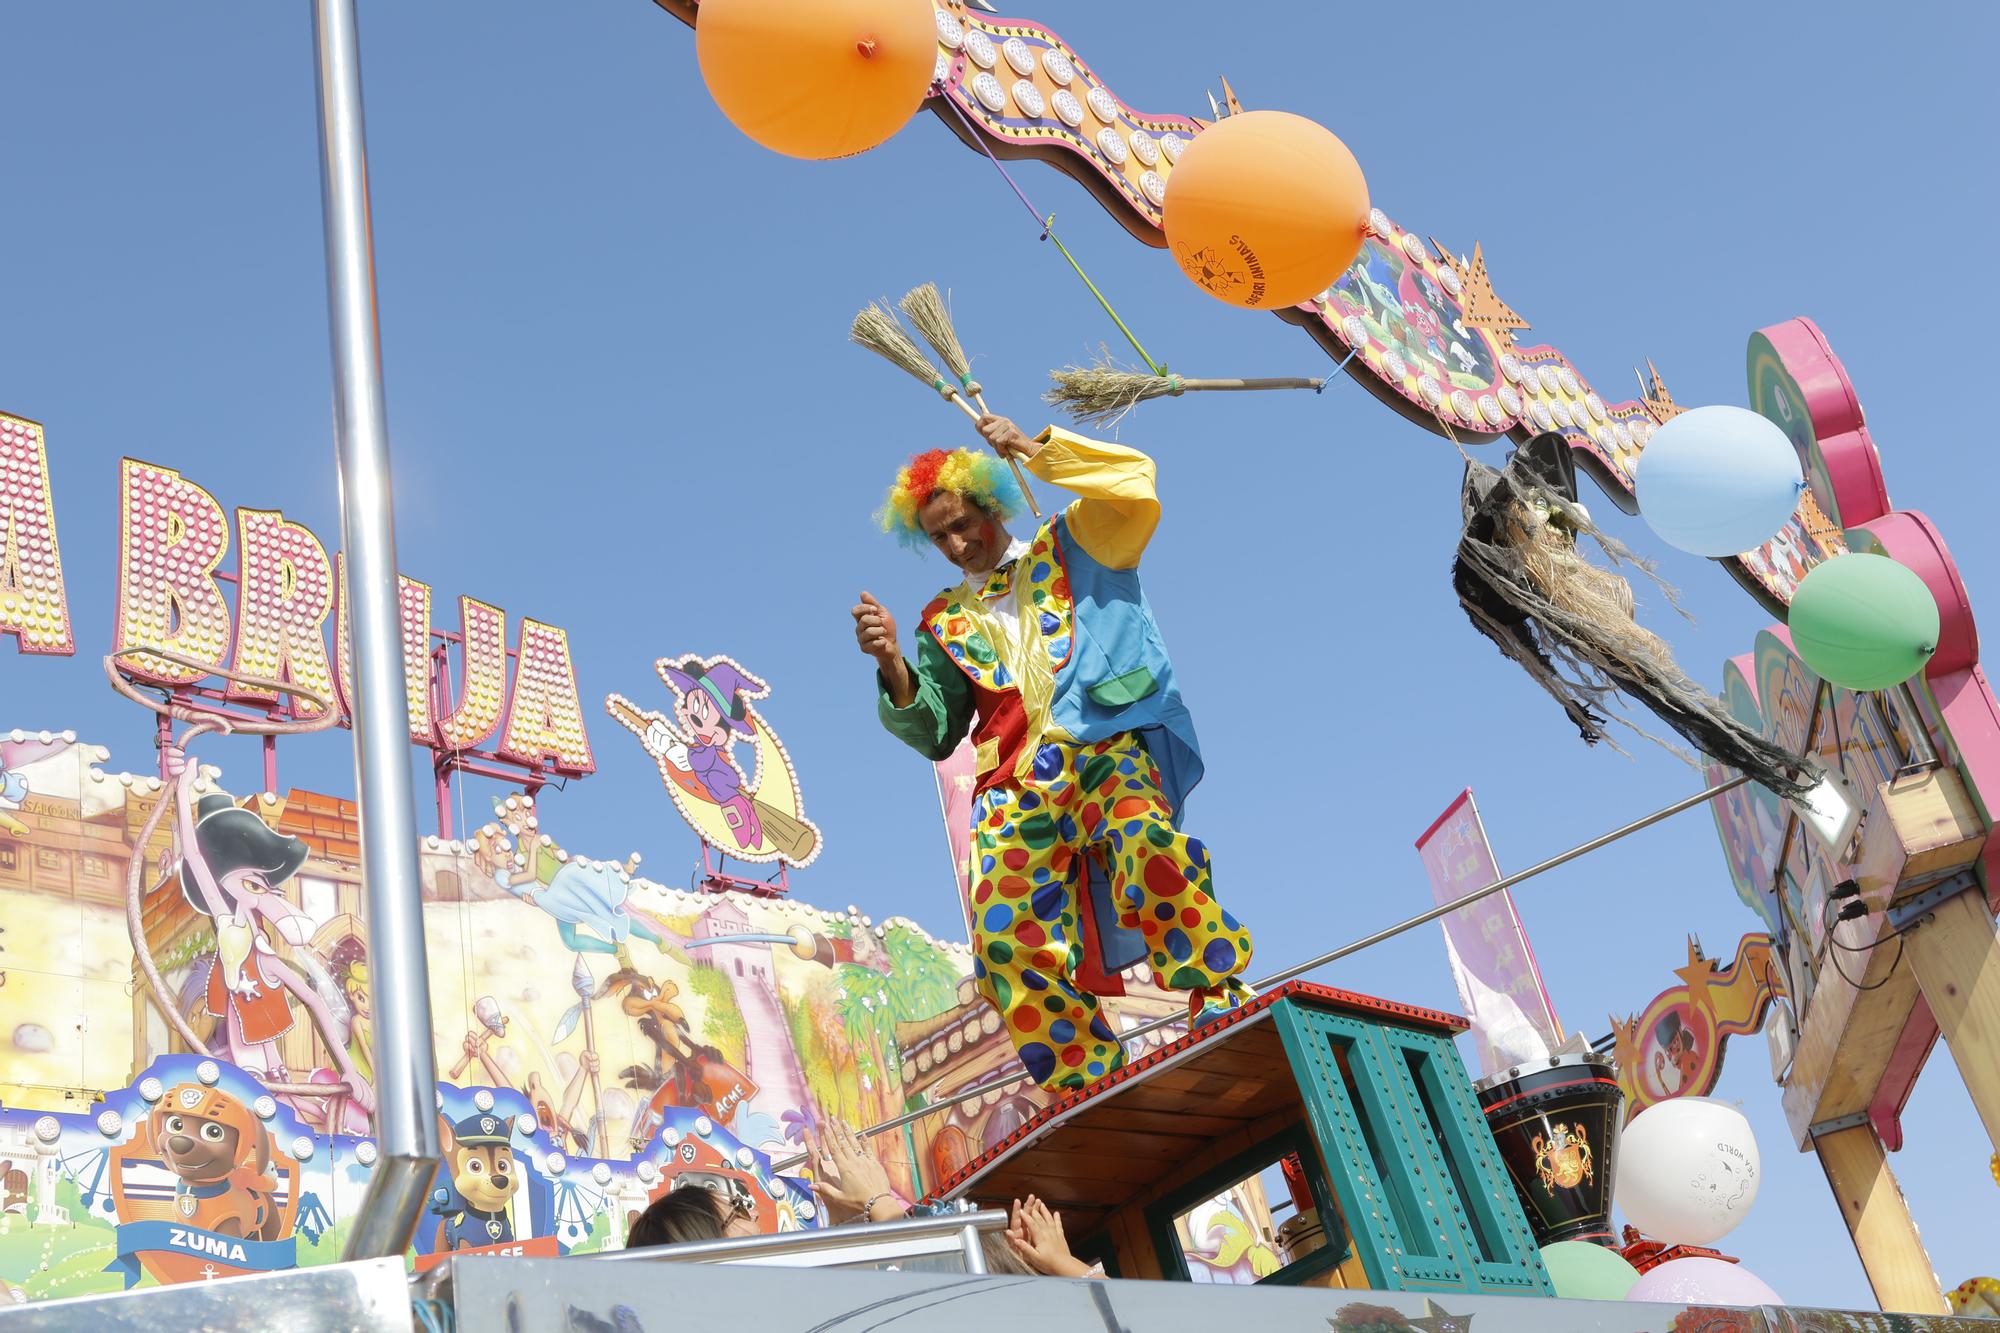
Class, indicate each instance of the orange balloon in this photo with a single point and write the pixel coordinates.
(816, 78)
(1265, 209)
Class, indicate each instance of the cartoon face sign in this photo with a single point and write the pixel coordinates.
(200, 1187)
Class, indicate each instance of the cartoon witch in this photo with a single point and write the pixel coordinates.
(232, 866)
(709, 705)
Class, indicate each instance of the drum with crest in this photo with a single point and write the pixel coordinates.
(1556, 1123)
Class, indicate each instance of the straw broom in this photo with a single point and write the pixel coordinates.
(1104, 393)
(878, 330)
(930, 317)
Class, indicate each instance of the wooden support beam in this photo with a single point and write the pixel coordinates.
(1955, 955)
(1878, 1218)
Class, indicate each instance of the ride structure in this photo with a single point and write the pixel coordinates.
(1428, 336)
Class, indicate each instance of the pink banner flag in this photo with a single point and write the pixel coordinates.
(1498, 982)
(957, 775)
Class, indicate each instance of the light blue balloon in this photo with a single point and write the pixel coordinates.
(1718, 481)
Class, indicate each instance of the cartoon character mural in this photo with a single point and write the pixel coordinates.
(1674, 1048)
(232, 869)
(718, 1027)
(754, 818)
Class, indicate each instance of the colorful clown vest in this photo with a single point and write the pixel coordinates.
(1112, 675)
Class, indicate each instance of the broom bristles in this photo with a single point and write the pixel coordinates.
(929, 315)
(878, 330)
(1102, 394)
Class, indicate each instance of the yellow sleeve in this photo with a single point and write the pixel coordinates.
(1116, 508)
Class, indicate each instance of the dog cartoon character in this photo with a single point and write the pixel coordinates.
(484, 1177)
(220, 1156)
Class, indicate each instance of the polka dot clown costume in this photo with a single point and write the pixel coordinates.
(1085, 754)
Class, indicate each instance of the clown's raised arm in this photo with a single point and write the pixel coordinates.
(1116, 508)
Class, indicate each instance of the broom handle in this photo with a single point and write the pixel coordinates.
(1012, 461)
(1234, 385)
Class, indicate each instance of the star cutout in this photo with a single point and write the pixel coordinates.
(1439, 1321)
(1660, 404)
(1483, 309)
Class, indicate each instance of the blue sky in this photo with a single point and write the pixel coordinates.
(621, 399)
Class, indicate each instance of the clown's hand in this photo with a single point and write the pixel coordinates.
(875, 630)
(174, 759)
(1008, 440)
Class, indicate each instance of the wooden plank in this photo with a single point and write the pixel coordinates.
(1116, 1117)
(1849, 1032)
(1917, 831)
(1077, 1138)
(1879, 1221)
(1955, 956)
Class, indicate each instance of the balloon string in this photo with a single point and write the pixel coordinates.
(1047, 224)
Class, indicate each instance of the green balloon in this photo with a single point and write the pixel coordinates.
(1864, 622)
(1586, 1272)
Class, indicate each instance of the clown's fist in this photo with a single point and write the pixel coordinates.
(1008, 440)
(875, 630)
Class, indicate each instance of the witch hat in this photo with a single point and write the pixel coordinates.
(724, 682)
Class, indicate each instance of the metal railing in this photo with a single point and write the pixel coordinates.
(872, 1245)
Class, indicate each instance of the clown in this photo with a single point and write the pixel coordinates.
(1047, 655)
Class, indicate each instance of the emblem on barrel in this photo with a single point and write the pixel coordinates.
(1556, 1125)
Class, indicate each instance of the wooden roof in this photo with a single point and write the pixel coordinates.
(1101, 1147)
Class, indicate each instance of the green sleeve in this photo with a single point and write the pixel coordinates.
(940, 715)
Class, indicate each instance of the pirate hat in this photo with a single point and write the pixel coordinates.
(232, 838)
(724, 682)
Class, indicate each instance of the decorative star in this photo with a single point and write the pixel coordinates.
(1482, 308)
(1439, 1321)
(1660, 404)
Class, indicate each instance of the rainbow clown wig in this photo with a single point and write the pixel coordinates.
(982, 478)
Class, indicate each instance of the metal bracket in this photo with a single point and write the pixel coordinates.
(1907, 913)
(1838, 1123)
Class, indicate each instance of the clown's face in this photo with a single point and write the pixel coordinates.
(964, 533)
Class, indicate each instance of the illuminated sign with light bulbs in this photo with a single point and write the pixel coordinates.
(173, 537)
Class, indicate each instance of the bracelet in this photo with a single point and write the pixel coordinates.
(868, 1209)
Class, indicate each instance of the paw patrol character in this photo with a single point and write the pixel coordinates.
(220, 1156)
(479, 1162)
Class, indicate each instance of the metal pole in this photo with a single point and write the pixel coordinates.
(405, 1106)
(1334, 956)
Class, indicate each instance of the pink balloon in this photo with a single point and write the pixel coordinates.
(1702, 1282)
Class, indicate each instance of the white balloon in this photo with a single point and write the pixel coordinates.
(1718, 481)
(1687, 1170)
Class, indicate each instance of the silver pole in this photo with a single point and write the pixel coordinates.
(405, 1105)
(1334, 956)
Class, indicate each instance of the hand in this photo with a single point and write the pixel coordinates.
(1036, 1233)
(1007, 439)
(174, 758)
(471, 1043)
(849, 1175)
(659, 737)
(875, 630)
(590, 1062)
